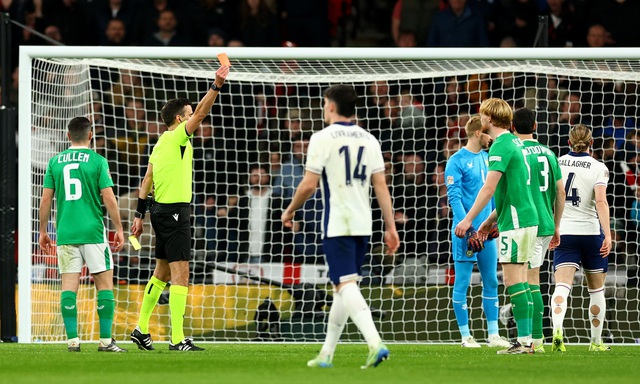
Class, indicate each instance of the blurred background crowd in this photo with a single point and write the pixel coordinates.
(249, 155)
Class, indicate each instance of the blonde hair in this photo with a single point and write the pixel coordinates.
(473, 125)
(499, 111)
(580, 138)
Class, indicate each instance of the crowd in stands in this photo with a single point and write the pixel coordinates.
(249, 155)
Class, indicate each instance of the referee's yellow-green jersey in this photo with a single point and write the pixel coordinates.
(172, 160)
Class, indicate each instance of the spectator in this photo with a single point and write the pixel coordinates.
(115, 34)
(522, 22)
(53, 32)
(217, 38)
(439, 227)
(259, 26)
(597, 36)
(167, 34)
(617, 126)
(128, 86)
(306, 22)
(458, 26)
(619, 17)
(255, 222)
(71, 18)
(113, 9)
(410, 206)
(208, 14)
(407, 39)
(414, 16)
(504, 85)
(563, 24)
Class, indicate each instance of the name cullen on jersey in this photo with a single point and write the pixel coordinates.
(73, 157)
(575, 163)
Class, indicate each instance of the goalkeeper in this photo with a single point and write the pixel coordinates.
(465, 174)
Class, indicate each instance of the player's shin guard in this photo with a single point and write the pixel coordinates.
(520, 307)
(559, 304)
(106, 308)
(178, 305)
(337, 319)
(360, 313)
(538, 312)
(152, 293)
(597, 308)
(69, 311)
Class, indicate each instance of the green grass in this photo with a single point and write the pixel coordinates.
(286, 363)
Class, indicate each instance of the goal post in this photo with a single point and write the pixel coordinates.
(271, 101)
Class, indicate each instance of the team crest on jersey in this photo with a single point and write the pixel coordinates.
(470, 164)
(449, 180)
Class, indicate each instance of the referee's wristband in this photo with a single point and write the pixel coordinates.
(214, 87)
(142, 208)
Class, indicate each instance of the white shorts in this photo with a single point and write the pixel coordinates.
(517, 245)
(542, 244)
(72, 257)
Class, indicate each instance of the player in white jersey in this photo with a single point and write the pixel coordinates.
(585, 236)
(345, 159)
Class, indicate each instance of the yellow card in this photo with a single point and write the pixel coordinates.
(134, 241)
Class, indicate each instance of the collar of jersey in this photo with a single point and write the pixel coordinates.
(580, 154)
(78, 147)
(346, 124)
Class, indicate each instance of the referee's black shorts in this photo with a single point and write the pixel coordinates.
(172, 225)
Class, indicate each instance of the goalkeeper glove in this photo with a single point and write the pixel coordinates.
(493, 233)
(474, 244)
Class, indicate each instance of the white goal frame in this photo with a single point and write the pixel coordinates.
(29, 53)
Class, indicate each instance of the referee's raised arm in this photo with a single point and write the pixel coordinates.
(204, 106)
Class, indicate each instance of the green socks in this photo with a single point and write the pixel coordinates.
(177, 304)
(69, 311)
(538, 312)
(106, 308)
(152, 293)
(520, 307)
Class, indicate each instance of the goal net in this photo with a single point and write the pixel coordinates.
(250, 278)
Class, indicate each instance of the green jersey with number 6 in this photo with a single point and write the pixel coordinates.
(514, 204)
(545, 172)
(77, 176)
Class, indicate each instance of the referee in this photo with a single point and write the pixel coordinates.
(170, 173)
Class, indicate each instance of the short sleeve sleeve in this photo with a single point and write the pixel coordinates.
(602, 178)
(104, 180)
(180, 135)
(375, 158)
(48, 178)
(499, 157)
(316, 160)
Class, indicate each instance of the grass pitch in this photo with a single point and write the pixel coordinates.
(286, 363)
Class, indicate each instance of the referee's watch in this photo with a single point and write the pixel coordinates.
(214, 87)
(139, 215)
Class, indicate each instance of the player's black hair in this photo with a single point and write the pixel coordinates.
(345, 98)
(172, 108)
(523, 121)
(79, 128)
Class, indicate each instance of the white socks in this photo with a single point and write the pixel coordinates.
(337, 319)
(597, 308)
(559, 304)
(360, 313)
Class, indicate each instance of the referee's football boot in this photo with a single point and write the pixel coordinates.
(184, 345)
(111, 347)
(377, 356)
(517, 349)
(143, 340)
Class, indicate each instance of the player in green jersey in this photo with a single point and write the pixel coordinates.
(508, 181)
(78, 178)
(547, 190)
(170, 174)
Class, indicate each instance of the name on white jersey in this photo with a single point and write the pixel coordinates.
(73, 156)
(349, 133)
(575, 163)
